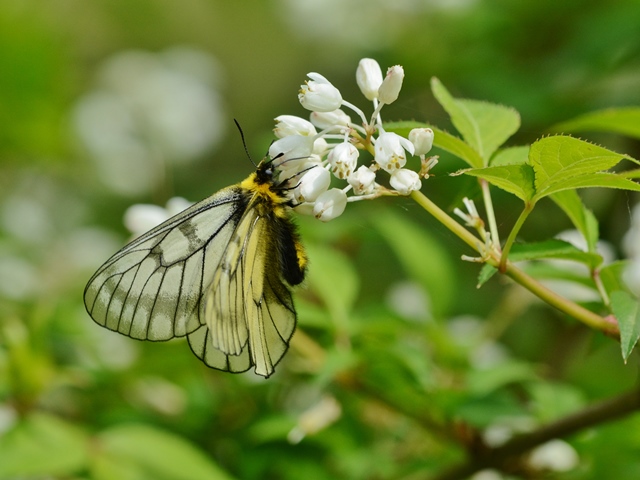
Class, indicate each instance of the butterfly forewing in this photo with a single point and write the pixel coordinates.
(151, 288)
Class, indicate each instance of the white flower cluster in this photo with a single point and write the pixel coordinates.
(308, 152)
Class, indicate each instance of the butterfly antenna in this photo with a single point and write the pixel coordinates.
(244, 143)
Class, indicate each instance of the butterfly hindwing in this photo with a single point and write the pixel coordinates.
(249, 310)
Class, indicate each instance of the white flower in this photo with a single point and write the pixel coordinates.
(140, 218)
(320, 146)
(363, 180)
(291, 147)
(631, 276)
(369, 77)
(291, 125)
(319, 95)
(422, 139)
(405, 181)
(330, 204)
(312, 184)
(324, 120)
(343, 159)
(391, 85)
(390, 151)
(555, 455)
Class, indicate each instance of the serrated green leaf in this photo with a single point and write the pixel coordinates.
(511, 156)
(625, 121)
(516, 179)
(553, 248)
(410, 243)
(561, 159)
(626, 308)
(581, 217)
(485, 126)
(149, 452)
(441, 139)
(42, 445)
(601, 179)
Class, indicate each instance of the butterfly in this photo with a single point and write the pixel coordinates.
(219, 273)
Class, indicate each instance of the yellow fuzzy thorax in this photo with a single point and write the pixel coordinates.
(265, 191)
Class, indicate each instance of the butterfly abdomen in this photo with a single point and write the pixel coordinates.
(290, 252)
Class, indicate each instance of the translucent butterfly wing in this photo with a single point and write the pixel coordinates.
(249, 311)
(152, 288)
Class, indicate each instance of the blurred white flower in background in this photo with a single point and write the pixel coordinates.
(631, 247)
(555, 455)
(148, 109)
(409, 300)
(571, 289)
(316, 418)
(142, 217)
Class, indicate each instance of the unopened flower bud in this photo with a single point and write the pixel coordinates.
(405, 181)
(330, 204)
(291, 125)
(319, 95)
(422, 139)
(391, 85)
(323, 120)
(312, 184)
(369, 77)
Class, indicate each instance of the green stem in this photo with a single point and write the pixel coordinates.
(528, 208)
(491, 216)
(563, 304)
(595, 274)
(440, 215)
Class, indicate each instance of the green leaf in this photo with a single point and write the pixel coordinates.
(611, 276)
(600, 179)
(581, 217)
(635, 173)
(553, 249)
(561, 163)
(553, 400)
(42, 445)
(422, 258)
(625, 121)
(516, 179)
(441, 139)
(626, 308)
(333, 278)
(141, 451)
(457, 147)
(511, 156)
(486, 272)
(484, 126)
(487, 380)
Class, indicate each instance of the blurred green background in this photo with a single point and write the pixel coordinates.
(109, 103)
